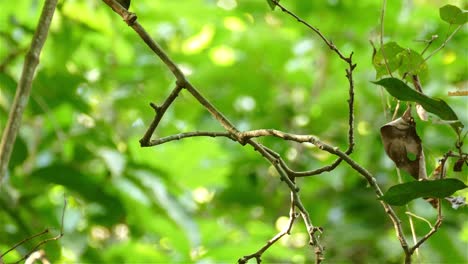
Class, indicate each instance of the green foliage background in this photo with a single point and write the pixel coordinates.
(207, 200)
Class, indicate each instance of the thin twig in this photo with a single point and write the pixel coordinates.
(45, 231)
(429, 43)
(287, 230)
(420, 218)
(382, 30)
(23, 90)
(316, 30)
(349, 76)
(444, 43)
(413, 230)
(159, 141)
(434, 229)
(57, 237)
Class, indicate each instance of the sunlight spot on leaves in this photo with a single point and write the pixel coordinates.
(227, 4)
(121, 231)
(234, 24)
(99, 233)
(244, 104)
(449, 57)
(298, 240)
(202, 195)
(363, 128)
(303, 46)
(114, 160)
(186, 69)
(197, 43)
(282, 223)
(272, 20)
(301, 120)
(69, 255)
(223, 56)
(198, 252)
(292, 154)
(86, 120)
(93, 75)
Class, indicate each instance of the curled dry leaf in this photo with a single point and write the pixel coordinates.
(403, 145)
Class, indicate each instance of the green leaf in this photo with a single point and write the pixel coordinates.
(412, 63)
(403, 92)
(453, 15)
(401, 194)
(392, 57)
(387, 54)
(19, 154)
(272, 4)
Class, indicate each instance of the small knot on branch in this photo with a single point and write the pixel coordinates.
(241, 138)
(130, 18)
(181, 83)
(156, 108)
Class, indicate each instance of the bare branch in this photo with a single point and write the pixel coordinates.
(180, 136)
(23, 90)
(160, 110)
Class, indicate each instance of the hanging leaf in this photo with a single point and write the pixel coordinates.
(403, 92)
(453, 15)
(401, 194)
(272, 4)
